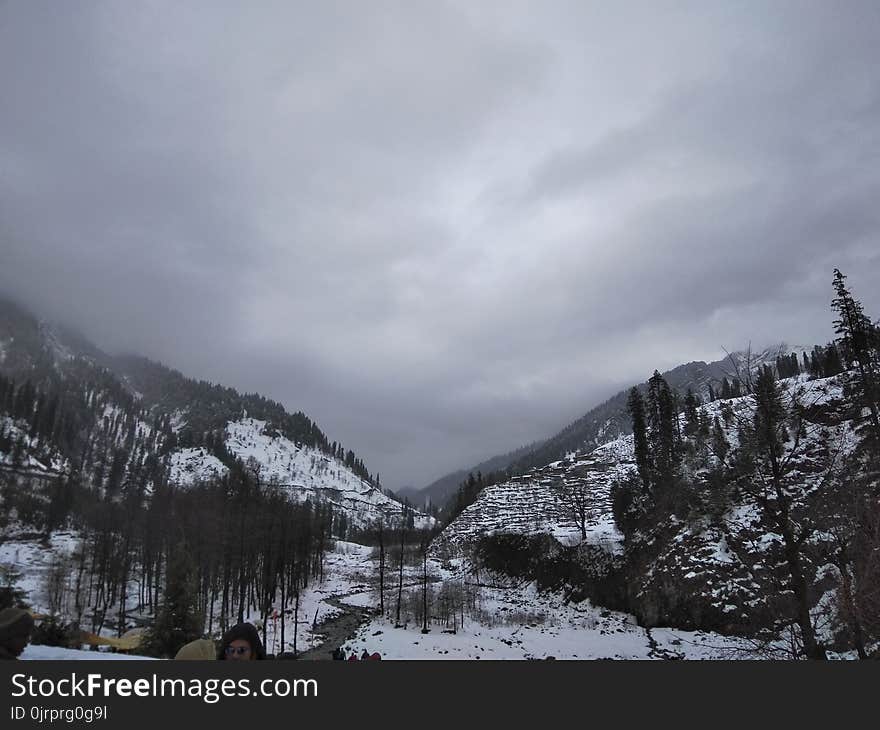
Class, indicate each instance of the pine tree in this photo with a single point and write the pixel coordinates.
(692, 418)
(815, 364)
(636, 406)
(662, 438)
(831, 364)
(858, 343)
(726, 392)
(720, 444)
(770, 414)
(178, 621)
(10, 594)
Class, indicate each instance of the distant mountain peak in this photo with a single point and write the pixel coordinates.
(609, 419)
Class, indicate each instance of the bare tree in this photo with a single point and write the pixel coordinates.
(55, 585)
(576, 496)
(400, 568)
(424, 549)
(380, 534)
(745, 373)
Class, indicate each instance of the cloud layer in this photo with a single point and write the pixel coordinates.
(441, 231)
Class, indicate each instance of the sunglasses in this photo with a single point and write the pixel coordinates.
(237, 650)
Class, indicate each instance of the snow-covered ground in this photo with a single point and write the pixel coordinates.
(513, 622)
(32, 559)
(55, 653)
(521, 623)
(347, 568)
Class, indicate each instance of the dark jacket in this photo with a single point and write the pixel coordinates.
(244, 631)
(16, 625)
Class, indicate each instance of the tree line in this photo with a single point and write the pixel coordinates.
(185, 562)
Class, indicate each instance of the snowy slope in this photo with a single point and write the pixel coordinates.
(303, 472)
(608, 420)
(36, 458)
(709, 572)
(528, 504)
(189, 466)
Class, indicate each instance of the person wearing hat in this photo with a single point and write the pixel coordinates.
(16, 625)
(200, 650)
(241, 643)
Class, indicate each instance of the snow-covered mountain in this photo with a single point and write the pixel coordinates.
(609, 420)
(530, 504)
(718, 572)
(301, 471)
(67, 407)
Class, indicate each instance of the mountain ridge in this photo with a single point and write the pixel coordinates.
(600, 424)
(130, 403)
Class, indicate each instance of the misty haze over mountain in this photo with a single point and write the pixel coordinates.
(441, 231)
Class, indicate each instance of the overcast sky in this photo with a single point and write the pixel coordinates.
(442, 230)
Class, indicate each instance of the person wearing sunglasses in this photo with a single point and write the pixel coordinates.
(241, 643)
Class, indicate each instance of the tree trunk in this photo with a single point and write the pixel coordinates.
(400, 577)
(812, 649)
(425, 590)
(295, 618)
(381, 572)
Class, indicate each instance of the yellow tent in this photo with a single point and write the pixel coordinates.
(129, 641)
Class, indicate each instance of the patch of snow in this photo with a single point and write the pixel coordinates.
(190, 466)
(43, 653)
(308, 473)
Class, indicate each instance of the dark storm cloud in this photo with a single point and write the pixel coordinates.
(441, 229)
